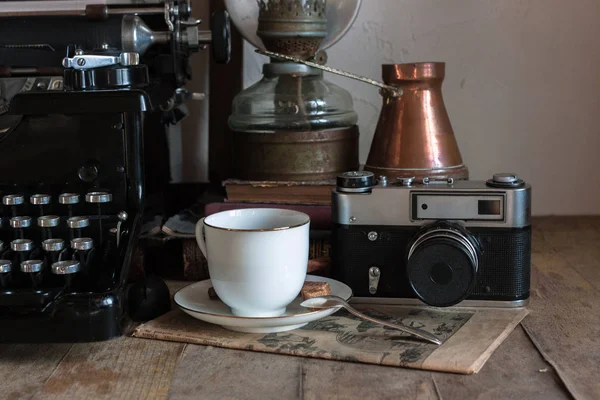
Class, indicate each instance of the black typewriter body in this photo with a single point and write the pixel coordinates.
(74, 201)
(74, 175)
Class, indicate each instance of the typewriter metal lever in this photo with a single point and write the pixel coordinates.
(88, 61)
(122, 218)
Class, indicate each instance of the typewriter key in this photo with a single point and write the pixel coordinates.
(54, 249)
(31, 266)
(13, 200)
(21, 245)
(53, 244)
(66, 267)
(5, 266)
(68, 198)
(40, 199)
(83, 247)
(34, 269)
(99, 198)
(20, 222)
(82, 244)
(5, 269)
(48, 221)
(78, 222)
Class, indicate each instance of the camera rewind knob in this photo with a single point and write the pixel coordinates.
(505, 180)
(355, 181)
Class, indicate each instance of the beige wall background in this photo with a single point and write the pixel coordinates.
(522, 85)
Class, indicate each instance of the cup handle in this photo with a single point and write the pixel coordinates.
(200, 236)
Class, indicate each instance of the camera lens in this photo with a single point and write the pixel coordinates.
(442, 266)
(441, 273)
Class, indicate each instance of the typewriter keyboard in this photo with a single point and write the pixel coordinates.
(58, 242)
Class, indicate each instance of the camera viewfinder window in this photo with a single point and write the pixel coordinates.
(489, 207)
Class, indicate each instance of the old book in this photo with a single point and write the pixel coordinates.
(294, 192)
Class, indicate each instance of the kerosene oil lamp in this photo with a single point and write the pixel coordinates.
(293, 124)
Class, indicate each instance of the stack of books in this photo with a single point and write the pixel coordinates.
(310, 197)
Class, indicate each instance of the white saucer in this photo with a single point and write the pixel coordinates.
(194, 301)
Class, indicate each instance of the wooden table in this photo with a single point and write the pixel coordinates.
(553, 354)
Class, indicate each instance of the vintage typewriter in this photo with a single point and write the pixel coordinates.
(85, 89)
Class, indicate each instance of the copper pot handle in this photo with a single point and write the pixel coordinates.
(386, 90)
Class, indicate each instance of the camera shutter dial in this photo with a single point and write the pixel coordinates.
(355, 181)
(442, 267)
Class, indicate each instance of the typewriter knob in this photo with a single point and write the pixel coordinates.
(39, 199)
(5, 266)
(1, 245)
(48, 221)
(221, 37)
(20, 222)
(68, 198)
(66, 267)
(13, 199)
(31, 266)
(88, 172)
(53, 245)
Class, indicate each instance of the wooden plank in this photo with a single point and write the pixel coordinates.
(206, 373)
(123, 368)
(215, 373)
(515, 371)
(25, 367)
(577, 239)
(566, 311)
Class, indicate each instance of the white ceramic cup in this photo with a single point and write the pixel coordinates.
(257, 258)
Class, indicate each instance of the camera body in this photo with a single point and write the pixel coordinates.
(442, 243)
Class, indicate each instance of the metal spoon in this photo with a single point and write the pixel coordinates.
(334, 301)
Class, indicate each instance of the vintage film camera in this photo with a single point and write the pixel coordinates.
(87, 91)
(441, 243)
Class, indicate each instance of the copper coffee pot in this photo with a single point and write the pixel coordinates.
(414, 137)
